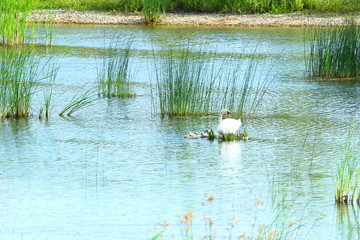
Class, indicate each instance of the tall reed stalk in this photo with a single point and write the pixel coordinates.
(196, 83)
(48, 93)
(114, 75)
(13, 16)
(347, 171)
(334, 52)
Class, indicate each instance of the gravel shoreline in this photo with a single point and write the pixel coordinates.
(189, 19)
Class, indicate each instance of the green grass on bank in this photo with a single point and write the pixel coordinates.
(221, 6)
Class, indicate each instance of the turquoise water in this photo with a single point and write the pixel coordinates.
(116, 170)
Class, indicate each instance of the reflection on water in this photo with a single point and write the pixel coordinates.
(230, 153)
(116, 169)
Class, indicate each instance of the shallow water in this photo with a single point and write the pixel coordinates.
(116, 170)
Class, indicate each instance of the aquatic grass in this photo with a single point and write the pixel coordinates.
(13, 17)
(185, 83)
(247, 85)
(347, 171)
(79, 101)
(48, 92)
(114, 75)
(195, 83)
(334, 52)
(19, 75)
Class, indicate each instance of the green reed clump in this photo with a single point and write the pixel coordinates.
(335, 52)
(115, 73)
(19, 74)
(13, 16)
(152, 10)
(234, 137)
(212, 135)
(196, 83)
(347, 171)
(243, 84)
(185, 83)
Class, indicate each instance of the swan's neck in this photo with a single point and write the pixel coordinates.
(220, 117)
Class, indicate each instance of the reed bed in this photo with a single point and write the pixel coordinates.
(334, 52)
(223, 6)
(13, 17)
(192, 82)
(114, 75)
(347, 171)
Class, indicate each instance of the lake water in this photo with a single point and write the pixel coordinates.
(117, 170)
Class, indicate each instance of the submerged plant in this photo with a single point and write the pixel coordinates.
(13, 17)
(114, 76)
(334, 52)
(347, 171)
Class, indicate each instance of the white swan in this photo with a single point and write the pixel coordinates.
(228, 125)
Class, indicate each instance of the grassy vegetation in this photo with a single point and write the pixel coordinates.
(20, 72)
(79, 101)
(234, 137)
(153, 9)
(347, 171)
(114, 74)
(13, 16)
(48, 92)
(223, 6)
(191, 83)
(335, 52)
(185, 83)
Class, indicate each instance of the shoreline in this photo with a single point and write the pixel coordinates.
(189, 19)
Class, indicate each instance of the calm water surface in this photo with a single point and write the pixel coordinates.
(116, 170)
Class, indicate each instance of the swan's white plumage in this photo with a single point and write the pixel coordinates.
(228, 125)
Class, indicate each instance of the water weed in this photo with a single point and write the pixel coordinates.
(19, 75)
(334, 52)
(79, 101)
(48, 92)
(114, 75)
(185, 83)
(192, 82)
(13, 17)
